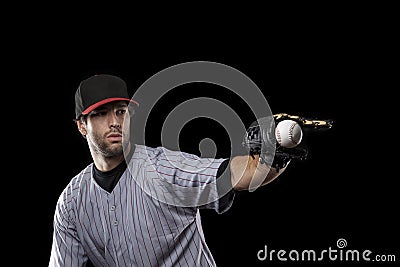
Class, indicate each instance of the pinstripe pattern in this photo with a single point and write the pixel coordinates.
(132, 226)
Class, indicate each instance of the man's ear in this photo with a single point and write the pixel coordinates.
(82, 128)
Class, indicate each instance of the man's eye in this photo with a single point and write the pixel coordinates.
(121, 111)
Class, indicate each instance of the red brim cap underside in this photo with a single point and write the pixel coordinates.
(105, 101)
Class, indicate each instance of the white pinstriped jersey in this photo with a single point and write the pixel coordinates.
(135, 224)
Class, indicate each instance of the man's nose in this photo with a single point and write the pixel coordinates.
(114, 120)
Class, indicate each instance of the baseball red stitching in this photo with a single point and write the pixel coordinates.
(291, 133)
(278, 136)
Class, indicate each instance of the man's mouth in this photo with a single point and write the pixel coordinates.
(114, 137)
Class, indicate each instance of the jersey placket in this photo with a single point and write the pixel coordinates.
(113, 222)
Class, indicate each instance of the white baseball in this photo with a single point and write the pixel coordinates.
(288, 133)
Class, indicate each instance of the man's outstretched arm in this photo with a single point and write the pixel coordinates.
(248, 173)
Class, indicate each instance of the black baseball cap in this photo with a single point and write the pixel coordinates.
(98, 90)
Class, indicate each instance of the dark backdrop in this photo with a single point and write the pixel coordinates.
(346, 189)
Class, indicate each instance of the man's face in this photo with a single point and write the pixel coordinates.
(105, 126)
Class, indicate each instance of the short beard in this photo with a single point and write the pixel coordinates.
(109, 152)
(102, 148)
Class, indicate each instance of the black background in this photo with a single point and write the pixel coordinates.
(347, 188)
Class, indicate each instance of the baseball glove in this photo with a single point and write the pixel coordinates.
(260, 139)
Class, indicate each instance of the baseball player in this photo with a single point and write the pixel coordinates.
(115, 213)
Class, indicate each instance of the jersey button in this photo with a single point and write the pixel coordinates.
(115, 223)
(112, 208)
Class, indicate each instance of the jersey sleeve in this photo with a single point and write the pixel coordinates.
(224, 188)
(66, 249)
(185, 179)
